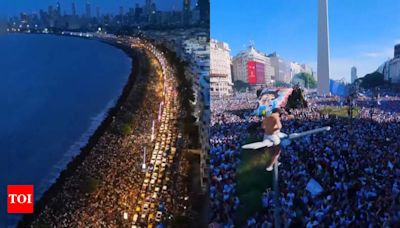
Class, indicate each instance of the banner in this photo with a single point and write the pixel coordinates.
(260, 73)
(251, 73)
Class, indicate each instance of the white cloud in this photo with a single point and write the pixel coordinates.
(387, 52)
(372, 54)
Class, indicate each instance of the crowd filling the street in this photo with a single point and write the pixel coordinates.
(130, 177)
(355, 163)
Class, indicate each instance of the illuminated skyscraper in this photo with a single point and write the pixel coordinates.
(121, 11)
(88, 10)
(147, 7)
(73, 9)
(323, 48)
(98, 12)
(186, 12)
(58, 9)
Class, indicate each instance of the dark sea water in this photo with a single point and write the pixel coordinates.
(54, 92)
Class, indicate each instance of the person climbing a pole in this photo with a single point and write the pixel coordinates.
(272, 130)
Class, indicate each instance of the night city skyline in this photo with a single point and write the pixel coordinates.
(11, 8)
(143, 14)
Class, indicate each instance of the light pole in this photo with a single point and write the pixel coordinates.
(152, 131)
(275, 185)
(285, 142)
(144, 160)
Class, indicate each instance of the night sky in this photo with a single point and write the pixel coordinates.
(14, 7)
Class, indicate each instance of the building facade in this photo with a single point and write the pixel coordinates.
(394, 70)
(281, 68)
(252, 67)
(397, 51)
(220, 69)
(391, 68)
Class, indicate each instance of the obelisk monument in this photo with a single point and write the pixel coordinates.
(323, 48)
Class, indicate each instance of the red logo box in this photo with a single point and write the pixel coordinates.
(20, 199)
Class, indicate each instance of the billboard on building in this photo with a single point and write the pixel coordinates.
(260, 73)
(251, 73)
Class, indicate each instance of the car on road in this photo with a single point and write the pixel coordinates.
(145, 207)
(158, 216)
(151, 217)
(135, 218)
(143, 218)
(154, 195)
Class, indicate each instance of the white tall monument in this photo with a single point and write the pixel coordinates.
(323, 48)
(353, 74)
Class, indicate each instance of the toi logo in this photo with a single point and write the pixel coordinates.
(20, 198)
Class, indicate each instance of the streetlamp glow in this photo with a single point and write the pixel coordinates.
(152, 131)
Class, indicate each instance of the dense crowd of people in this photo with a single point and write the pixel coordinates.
(105, 185)
(356, 164)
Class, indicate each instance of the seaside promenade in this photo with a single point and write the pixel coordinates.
(110, 187)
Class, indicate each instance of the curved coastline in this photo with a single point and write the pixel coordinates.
(104, 125)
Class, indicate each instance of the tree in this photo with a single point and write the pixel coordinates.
(281, 84)
(309, 80)
(240, 85)
(371, 80)
(126, 129)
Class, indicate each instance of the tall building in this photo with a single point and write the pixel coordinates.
(220, 69)
(73, 9)
(186, 12)
(281, 68)
(88, 10)
(252, 67)
(138, 13)
(323, 48)
(391, 68)
(353, 74)
(147, 7)
(295, 69)
(204, 8)
(58, 12)
(51, 16)
(50, 11)
(98, 14)
(394, 66)
(397, 51)
(121, 12)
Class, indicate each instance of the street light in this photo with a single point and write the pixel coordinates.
(144, 159)
(285, 142)
(152, 131)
